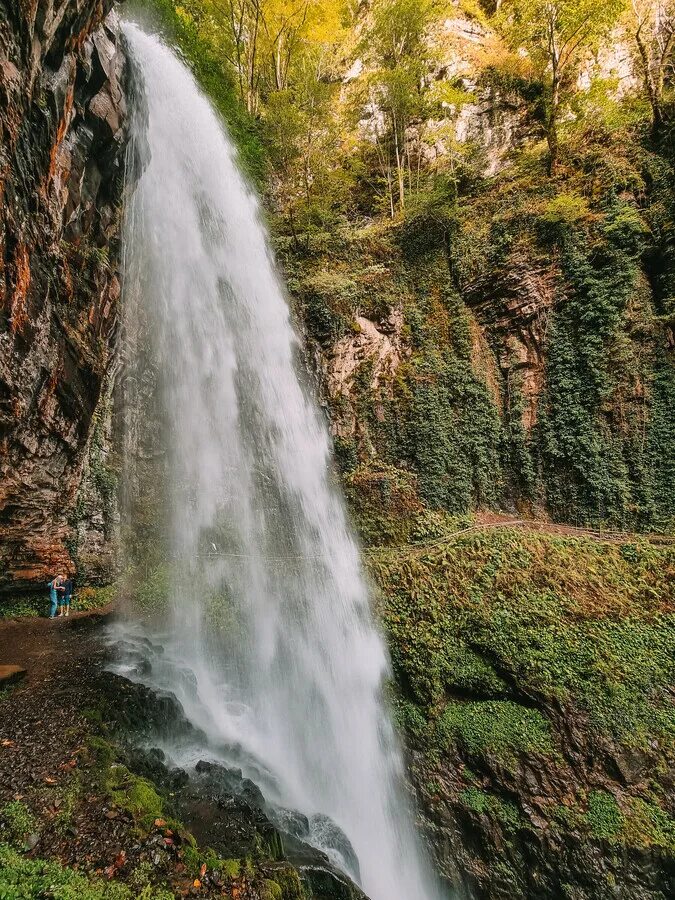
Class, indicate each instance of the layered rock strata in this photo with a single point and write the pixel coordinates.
(62, 147)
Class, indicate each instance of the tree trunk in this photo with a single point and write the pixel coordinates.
(400, 173)
(653, 80)
(657, 116)
(552, 128)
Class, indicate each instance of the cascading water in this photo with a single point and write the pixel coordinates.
(257, 530)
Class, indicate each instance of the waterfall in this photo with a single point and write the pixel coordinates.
(292, 682)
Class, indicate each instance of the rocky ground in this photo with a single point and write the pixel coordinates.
(83, 809)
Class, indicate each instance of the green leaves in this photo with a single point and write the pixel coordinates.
(398, 31)
(499, 614)
(502, 728)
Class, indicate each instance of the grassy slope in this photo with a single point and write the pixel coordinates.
(512, 650)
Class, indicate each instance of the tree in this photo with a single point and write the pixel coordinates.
(396, 46)
(559, 36)
(653, 26)
(265, 40)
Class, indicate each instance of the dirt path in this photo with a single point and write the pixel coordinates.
(40, 718)
(38, 644)
(489, 521)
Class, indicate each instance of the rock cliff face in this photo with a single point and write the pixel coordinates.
(512, 306)
(62, 133)
(497, 838)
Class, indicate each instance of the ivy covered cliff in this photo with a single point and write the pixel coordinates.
(490, 318)
(472, 204)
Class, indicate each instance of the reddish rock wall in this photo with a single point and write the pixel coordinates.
(62, 139)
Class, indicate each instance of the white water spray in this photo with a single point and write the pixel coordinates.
(295, 680)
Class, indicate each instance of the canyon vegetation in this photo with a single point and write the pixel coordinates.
(472, 207)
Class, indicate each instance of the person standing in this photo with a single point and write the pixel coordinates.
(56, 589)
(67, 596)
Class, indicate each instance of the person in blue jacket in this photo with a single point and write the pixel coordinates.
(56, 588)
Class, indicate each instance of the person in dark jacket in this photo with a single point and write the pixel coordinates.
(66, 597)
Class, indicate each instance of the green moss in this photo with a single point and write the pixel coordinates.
(570, 620)
(569, 818)
(384, 502)
(504, 811)
(289, 881)
(410, 718)
(637, 823)
(647, 825)
(271, 890)
(466, 670)
(142, 876)
(500, 728)
(452, 429)
(135, 795)
(604, 818)
(475, 799)
(194, 858)
(103, 753)
(17, 822)
(564, 213)
(229, 867)
(31, 879)
(129, 792)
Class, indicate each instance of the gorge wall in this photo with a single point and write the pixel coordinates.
(62, 132)
(503, 343)
(505, 339)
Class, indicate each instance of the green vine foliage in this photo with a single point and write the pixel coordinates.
(440, 421)
(453, 433)
(602, 447)
(597, 444)
(594, 440)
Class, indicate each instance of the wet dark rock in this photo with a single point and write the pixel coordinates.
(144, 713)
(62, 134)
(327, 884)
(230, 782)
(221, 807)
(292, 822)
(326, 833)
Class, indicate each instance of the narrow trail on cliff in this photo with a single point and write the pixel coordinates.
(281, 668)
(494, 521)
